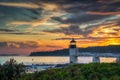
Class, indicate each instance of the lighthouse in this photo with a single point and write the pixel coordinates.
(73, 51)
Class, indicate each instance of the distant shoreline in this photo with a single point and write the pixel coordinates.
(65, 52)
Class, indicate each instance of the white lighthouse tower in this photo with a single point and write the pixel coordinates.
(73, 51)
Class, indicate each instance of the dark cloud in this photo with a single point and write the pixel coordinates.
(52, 46)
(118, 22)
(79, 11)
(27, 44)
(17, 32)
(72, 30)
(75, 6)
(7, 30)
(90, 29)
(3, 44)
(16, 0)
(20, 14)
(88, 38)
(78, 18)
(23, 33)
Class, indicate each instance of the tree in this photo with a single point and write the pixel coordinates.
(11, 70)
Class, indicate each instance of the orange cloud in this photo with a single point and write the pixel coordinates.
(50, 6)
(24, 5)
(104, 13)
(106, 31)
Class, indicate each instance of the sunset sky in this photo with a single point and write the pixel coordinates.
(44, 25)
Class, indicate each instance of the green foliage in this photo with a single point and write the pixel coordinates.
(11, 70)
(92, 71)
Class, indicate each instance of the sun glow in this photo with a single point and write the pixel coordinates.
(114, 41)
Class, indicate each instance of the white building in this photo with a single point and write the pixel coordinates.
(73, 52)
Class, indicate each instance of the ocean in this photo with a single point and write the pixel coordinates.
(28, 60)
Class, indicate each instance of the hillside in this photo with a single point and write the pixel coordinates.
(92, 71)
(65, 52)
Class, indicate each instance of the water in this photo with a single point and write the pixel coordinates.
(50, 59)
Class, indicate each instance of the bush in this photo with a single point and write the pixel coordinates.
(92, 71)
(11, 70)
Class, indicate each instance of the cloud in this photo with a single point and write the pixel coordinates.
(110, 30)
(24, 33)
(85, 38)
(27, 44)
(33, 23)
(10, 14)
(104, 13)
(7, 30)
(91, 21)
(17, 32)
(50, 6)
(71, 30)
(73, 11)
(92, 5)
(22, 5)
(79, 18)
(52, 46)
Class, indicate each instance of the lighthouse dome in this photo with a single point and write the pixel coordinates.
(72, 43)
(73, 40)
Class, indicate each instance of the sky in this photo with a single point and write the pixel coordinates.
(44, 25)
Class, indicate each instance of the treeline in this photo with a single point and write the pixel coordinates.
(102, 49)
(65, 52)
